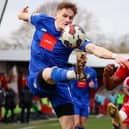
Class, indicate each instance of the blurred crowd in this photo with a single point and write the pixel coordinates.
(18, 104)
(103, 97)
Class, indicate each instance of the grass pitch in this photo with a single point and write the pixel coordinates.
(92, 123)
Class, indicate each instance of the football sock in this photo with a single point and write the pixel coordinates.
(79, 128)
(60, 74)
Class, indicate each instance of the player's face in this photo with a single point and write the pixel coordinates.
(63, 18)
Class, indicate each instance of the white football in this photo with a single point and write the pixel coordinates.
(73, 36)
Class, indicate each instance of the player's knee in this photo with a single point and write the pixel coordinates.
(45, 83)
(46, 75)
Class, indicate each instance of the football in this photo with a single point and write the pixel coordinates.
(73, 36)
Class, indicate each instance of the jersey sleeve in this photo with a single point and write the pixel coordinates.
(93, 75)
(126, 82)
(94, 78)
(38, 18)
(84, 44)
(121, 72)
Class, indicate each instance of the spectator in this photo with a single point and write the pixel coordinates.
(26, 98)
(120, 99)
(105, 106)
(36, 107)
(10, 104)
(102, 100)
(1, 100)
(21, 81)
(46, 106)
(97, 103)
(113, 98)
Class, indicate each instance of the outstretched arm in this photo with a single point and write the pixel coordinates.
(109, 79)
(105, 53)
(24, 14)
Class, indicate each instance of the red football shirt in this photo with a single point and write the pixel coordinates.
(122, 72)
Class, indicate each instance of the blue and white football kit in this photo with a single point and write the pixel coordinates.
(81, 95)
(48, 51)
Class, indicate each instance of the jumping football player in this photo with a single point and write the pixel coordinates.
(48, 71)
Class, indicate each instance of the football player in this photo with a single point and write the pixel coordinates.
(112, 78)
(48, 73)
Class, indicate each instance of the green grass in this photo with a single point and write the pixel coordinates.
(92, 123)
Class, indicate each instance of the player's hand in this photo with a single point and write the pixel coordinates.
(91, 84)
(123, 62)
(109, 69)
(24, 14)
(25, 9)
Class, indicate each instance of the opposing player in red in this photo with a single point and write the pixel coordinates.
(112, 78)
(125, 124)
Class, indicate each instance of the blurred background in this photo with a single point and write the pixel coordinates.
(105, 22)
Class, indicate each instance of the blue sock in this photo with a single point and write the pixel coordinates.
(59, 74)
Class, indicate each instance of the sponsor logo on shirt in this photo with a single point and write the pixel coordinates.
(48, 41)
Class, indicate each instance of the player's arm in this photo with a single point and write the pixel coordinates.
(24, 14)
(126, 86)
(125, 90)
(105, 53)
(94, 78)
(94, 82)
(109, 79)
